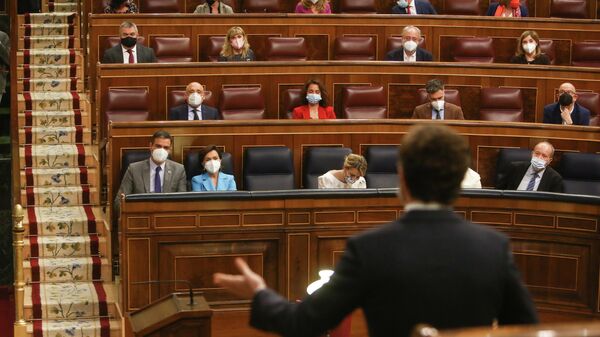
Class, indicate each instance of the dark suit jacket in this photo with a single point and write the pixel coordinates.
(492, 10)
(580, 115)
(115, 54)
(551, 181)
(398, 55)
(180, 112)
(427, 266)
(423, 7)
(451, 111)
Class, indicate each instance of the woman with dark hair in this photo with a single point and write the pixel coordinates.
(120, 7)
(212, 179)
(528, 50)
(508, 9)
(315, 100)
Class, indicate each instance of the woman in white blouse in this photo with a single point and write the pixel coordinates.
(350, 176)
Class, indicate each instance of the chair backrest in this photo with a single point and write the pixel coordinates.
(358, 7)
(320, 160)
(462, 7)
(575, 9)
(395, 42)
(360, 48)
(450, 96)
(268, 168)
(193, 165)
(381, 169)
(548, 47)
(501, 104)
(590, 101)
(286, 49)
(291, 99)
(473, 49)
(213, 47)
(130, 156)
(508, 156)
(581, 173)
(261, 6)
(127, 104)
(364, 102)
(177, 97)
(586, 54)
(172, 49)
(242, 103)
(160, 6)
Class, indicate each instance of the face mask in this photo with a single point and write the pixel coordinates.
(410, 46)
(212, 166)
(538, 163)
(314, 1)
(402, 3)
(313, 98)
(160, 155)
(195, 99)
(438, 105)
(565, 99)
(529, 47)
(129, 41)
(237, 43)
(514, 4)
(350, 180)
(210, 2)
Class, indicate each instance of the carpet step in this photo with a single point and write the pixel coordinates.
(49, 84)
(71, 176)
(73, 300)
(50, 72)
(48, 42)
(65, 221)
(65, 246)
(52, 101)
(60, 7)
(50, 57)
(60, 196)
(52, 29)
(67, 269)
(54, 118)
(48, 18)
(82, 327)
(55, 135)
(57, 156)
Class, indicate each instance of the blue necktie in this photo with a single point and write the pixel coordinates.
(532, 182)
(157, 187)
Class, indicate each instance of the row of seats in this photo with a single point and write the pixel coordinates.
(358, 102)
(359, 48)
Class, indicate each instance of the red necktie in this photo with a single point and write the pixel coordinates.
(408, 10)
(131, 60)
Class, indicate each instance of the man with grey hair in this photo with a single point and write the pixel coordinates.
(129, 51)
(437, 108)
(410, 50)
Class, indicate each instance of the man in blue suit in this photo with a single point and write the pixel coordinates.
(413, 7)
(566, 111)
(193, 109)
(410, 50)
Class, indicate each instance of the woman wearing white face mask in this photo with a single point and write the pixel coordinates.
(350, 176)
(313, 7)
(315, 103)
(528, 50)
(236, 46)
(212, 179)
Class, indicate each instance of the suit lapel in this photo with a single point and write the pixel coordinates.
(168, 177)
(207, 182)
(120, 54)
(146, 176)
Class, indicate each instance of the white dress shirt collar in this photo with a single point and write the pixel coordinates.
(191, 112)
(126, 54)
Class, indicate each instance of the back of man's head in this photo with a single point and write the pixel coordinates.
(433, 160)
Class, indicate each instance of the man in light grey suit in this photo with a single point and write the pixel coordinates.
(129, 51)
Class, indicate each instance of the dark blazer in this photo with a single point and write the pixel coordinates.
(551, 181)
(427, 266)
(115, 54)
(540, 59)
(180, 112)
(451, 111)
(492, 10)
(398, 55)
(423, 7)
(580, 115)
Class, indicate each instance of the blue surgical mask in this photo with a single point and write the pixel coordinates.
(313, 98)
(538, 163)
(402, 3)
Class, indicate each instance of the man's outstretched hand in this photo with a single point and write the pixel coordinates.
(244, 285)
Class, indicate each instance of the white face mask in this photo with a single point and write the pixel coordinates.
(313, 98)
(438, 105)
(529, 47)
(538, 163)
(314, 1)
(159, 155)
(237, 44)
(402, 3)
(195, 100)
(350, 180)
(212, 166)
(410, 45)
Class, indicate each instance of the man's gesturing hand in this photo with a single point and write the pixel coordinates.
(244, 285)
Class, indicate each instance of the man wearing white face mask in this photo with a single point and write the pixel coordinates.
(410, 50)
(535, 175)
(413, 7)
(437, 108)
(193, 109)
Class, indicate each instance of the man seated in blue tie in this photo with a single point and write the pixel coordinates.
(535, 175)
(437, 108)
(193, 109)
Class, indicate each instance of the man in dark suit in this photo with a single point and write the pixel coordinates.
(535, 175)
(566, 111)
(428, 266)
(413, 7)
(410, 50)
(129, 51)
(193, 109)
(437, 108)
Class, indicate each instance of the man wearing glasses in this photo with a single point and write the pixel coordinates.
(410, 50)
(566, 111)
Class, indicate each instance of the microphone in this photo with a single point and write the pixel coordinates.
(188, 283)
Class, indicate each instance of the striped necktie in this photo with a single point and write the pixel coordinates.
(531, 184)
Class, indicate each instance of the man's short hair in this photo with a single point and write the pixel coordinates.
(434, 160)
(409, 28)
(161, 134)
(434, 86)
(128, 24)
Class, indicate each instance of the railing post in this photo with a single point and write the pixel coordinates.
(18, 244)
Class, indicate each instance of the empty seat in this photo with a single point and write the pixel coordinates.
(575, 9)
(473, 49)
(126, 104)
(462, 7)
(286, 49)
(358, 7)
(268, 168)
(364, 102)
(242, 103)
(548, 47)
(450, 96)
(358, 48)
(261, 6)
(160, 6)
(291, 99)
(581, 173)
(213, 48)
(590, 101)
(193, 165)
(320, 160)
(586, 54)
(501, 104)
(508, 156)
(172, 49)
(382, 171)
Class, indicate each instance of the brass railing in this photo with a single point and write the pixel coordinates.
(19, 284)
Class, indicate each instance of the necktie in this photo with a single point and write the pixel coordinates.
(157, 187)
(130, 52)
(408, 12)
(532, 182)
(437, 115)
(195, 112)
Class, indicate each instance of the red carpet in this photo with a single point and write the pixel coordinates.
(7, 311)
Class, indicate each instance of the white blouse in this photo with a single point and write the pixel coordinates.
(328, 180)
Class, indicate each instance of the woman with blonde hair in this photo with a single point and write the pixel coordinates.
(313, 7)
(350, 176)
(236, 46)
(528, 50)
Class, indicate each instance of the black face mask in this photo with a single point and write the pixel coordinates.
(129, 41)
(210, 2)
(565, 99)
